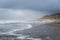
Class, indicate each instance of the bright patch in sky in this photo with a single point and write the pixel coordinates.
(22, 14)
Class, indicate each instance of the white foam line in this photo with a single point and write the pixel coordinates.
(29, 26)
(12, 32)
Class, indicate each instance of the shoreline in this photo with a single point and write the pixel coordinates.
(43, 31)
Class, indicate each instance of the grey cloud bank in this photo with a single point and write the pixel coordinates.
(33, 8)
(41, 5)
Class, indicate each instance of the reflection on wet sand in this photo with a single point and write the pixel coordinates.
(37, 32)
(46, 32)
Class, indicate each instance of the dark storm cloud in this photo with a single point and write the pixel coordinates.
(41, 5)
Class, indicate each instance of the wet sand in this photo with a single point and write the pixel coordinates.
(7, 37)
(46, 32)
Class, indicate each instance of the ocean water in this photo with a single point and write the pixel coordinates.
(28, 30)
(8, 29)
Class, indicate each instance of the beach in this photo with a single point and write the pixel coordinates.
(45, 31)
(36, 32)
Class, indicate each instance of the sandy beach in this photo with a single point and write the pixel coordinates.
(37, 32)
(46, 32)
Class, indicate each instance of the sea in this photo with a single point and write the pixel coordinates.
(8, 29)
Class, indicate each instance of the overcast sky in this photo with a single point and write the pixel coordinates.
(27, 9)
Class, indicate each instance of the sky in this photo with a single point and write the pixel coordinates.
(27, 9)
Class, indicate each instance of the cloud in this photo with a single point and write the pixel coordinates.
(27, 9)
(41, 5)
(11, 14)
